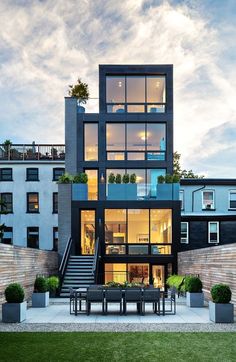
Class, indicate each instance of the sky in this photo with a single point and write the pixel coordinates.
(46, 45)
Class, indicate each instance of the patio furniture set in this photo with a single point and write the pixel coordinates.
(162, 302)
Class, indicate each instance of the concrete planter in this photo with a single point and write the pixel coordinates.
(79, 192)
(14, 312)
(221, 313)
(195, 300)
(122, 192)
(168, 191)
(40, 300)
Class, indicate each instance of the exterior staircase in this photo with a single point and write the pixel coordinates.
(78, 274)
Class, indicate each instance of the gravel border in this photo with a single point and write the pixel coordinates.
(116, 327)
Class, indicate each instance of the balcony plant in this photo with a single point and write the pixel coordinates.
(121, 191)
(81, 92)
(133, 178)
(220, 308)
(66, 178)
(80, 187)
(53, 285)
(195, 295)
(167, 187)
(40, 296)
(14, 310)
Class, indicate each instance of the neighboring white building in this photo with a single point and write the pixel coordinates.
(28, 186)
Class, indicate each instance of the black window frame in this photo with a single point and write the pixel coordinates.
(55, 239)
(55, 169)
(10, 174)
(10, 230)
(28, 169)
(28, 232)
(28, 203)
(55, 202)
(3, 208)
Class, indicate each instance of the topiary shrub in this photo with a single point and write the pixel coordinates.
(111, 178)
(161, 179)
(53, 283)
(175, 281)
(221, 293)
(133, 178)
(40, 285)
(83, 178)
(176, 179)
(66, 178)
(14, 293)
(125, 179)
(193, 285)
(168, 179)
(118, 179)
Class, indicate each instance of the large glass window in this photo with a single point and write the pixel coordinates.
(115, 137)
(161, 226)
(115, 231)
(87, 232)
(136, 137)
(115, 87)
(91, 142)
(135, 89)
(155, 89)
(138, 226)
(135, 93)
(92, 184)
(122, 272)
(115, 273)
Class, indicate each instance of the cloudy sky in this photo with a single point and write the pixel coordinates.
(46, 45)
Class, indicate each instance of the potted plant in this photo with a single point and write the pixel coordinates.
(81, 92)
(14, 310)
(80, 187)
(66, 178)
(195, 296)
(40, 296)
(220, 308)
(133, 178)
(168, 187)
(53, 285)
(122, 191)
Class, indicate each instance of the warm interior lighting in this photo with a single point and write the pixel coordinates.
(119, 84)
(157, 84)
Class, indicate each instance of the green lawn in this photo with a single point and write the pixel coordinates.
(138, 346)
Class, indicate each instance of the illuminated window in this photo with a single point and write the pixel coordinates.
(87, 232)
(161, 226)
(91, 142)
(32, 202)
(92, 184)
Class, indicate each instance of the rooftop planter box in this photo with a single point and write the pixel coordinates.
(79, 192)
(168, 191)
(220, 309)
(14, 311)
(122, 192)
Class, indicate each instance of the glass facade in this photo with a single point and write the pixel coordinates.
(87, 228)
(135, 94)
(133, 231)
(91, 142)
(92, 184)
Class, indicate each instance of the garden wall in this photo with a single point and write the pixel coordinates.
(214, 265)
(21, 265)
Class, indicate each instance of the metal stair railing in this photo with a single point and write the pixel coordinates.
(65, 259)
(96, 260)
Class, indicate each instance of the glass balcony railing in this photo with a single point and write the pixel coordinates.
(29, 152)
(138, 249)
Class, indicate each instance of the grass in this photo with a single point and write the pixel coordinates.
(106, 346)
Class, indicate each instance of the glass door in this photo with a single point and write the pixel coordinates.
(158, 276)
(87, 232)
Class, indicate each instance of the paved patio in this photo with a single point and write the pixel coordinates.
(56, 317)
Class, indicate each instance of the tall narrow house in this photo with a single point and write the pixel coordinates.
(126, 227)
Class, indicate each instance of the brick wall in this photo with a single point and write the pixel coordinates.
(214, 265)
(21, 265)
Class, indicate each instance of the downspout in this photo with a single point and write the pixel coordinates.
(201, 188)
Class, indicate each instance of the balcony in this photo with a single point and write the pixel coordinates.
(32, 152)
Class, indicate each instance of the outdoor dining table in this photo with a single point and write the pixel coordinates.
(81, 294)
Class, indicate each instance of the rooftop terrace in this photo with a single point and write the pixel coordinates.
(35, 152)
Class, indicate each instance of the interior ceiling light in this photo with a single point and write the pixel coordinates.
(119, 84)
(157, 84)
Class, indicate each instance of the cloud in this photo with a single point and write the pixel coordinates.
(45, 45)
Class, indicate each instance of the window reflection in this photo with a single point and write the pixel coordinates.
(115, 89)
(135, 108)
(91, 142)
(135, 89)
(156, 137)
(136, 137)
(155, 89)
(115, 135)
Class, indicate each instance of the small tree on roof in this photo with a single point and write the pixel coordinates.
(80, 91)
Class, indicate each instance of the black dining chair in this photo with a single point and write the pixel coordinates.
(94, 296)
(113, 295)
(151, 296)
(133, 295)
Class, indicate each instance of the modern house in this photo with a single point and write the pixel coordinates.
(136, 225)
(29, 190)
(208, 212)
